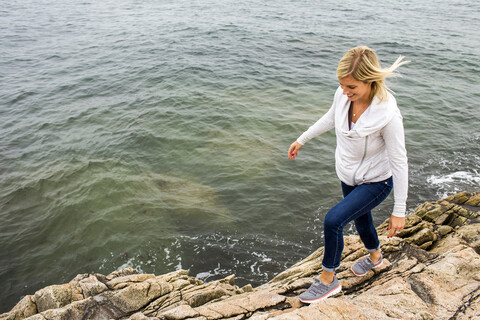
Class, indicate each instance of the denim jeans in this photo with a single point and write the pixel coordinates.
(356, 205)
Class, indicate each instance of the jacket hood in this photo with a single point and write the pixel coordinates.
(377, 116)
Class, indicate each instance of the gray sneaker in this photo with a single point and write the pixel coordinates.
(360, 268)
(319, 291)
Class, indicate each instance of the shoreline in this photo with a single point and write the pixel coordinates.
(430, 271)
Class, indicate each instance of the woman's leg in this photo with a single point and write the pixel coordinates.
(328, 276)
(366, 229)
(367, 232)
(368, 235)
(364, 225)
(359, 201)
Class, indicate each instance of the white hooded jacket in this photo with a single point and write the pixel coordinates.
(373, 151)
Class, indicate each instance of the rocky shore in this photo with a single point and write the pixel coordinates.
(431, 271)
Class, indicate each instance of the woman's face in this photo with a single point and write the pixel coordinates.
(355, 90)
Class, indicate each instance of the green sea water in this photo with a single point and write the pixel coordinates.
(154, 134)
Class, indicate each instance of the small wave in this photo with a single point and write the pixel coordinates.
(454, 182)
(215, 273)
(459, 176)
(131, 263)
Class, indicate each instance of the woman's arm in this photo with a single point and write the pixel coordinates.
(325, 123)
(394, 137)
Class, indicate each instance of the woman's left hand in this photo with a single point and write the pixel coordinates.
(395, 225)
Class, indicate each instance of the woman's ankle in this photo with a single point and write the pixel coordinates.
(376, 256)
(327, 277)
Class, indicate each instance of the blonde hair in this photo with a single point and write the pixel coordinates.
(362, 64)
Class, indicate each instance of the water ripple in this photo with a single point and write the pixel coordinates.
(154, 134)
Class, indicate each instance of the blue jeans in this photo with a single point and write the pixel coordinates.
(356, 205)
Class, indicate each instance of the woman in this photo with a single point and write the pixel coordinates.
(370, 158)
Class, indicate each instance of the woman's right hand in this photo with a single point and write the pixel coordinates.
(293, 150)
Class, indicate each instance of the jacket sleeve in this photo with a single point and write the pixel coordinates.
(394, 137)
(325, 123)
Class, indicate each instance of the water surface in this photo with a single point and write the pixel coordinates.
(154, 134)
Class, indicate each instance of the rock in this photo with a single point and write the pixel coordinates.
(25, 308)
(84, 309)
(470, 307)
(430, 271)
(459, 198)
(91, 286)
(124, 272)
(471, 235)
(422, 236)
(163, 303)
(138, 295)
(209, 313)
(225, 309)
(443, 219)
(139, 316)
(444, 230)
(247, 288)
(124, 281)
(240, 305)
(328, 309)
(53, 297)
(473, 201)
(180, 312)
(198, 295)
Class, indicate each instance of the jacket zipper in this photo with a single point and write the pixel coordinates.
(361, 161)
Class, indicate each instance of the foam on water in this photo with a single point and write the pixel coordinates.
(459, 176)
(454, 182)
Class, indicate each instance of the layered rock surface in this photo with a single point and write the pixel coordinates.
(431, 271)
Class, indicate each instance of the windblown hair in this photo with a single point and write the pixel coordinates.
(362, 64)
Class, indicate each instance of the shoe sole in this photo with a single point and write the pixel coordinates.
(325, 296)
(360, 275)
